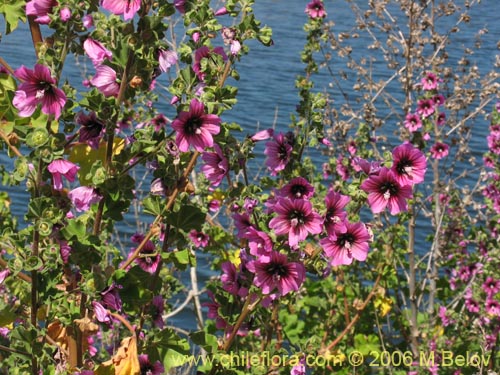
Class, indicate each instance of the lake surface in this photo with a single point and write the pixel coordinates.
(267, 94)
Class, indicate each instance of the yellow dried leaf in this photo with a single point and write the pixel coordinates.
(126, 359)
(57, 332)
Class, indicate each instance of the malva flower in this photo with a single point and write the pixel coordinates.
(83, 198)
(126, 7)
(425, 107)
(439, 150)
(148, 368)
(110, 297)
(157, 309)
(258, 242)
(199, 239)
(335, 215)
(40, 9)
(38, 87)
(91, 129)
(96, 51)
(216, 165)
(105, 80)
(409, 164)
(149, 258)
(62, 168)
(65, 14)
(278, 153)
(273, 271)
(491, 286)
(385, 191)
(412, 122)
(441, 119)
(295, 218)
(297, 188)
(205, 53)
(429, 81)
(315, 9)
(166, 59)
(348, 244)
(195, 127)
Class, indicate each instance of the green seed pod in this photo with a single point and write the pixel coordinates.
(37, 138)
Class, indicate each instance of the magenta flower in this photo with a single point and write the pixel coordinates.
(409, 164)
(278, 153)
(83, 197)
(295, 218)
(3, 275)
(88, 21)
(360, 164)
(258, 242)
(335, 215)
(439, 150)
(148, 368)
(262, 135)
(441, 119)
(205, 53)
(195, 128)
(126, 7)
(158, 307)
(62, 168)
(345, 245)
(429, 81)
(216, 165)
(38, 87)
(297, 188)
(110, 297)
(65, 14)
(492, 307)
(491, 286)
(40, 9)
(385, 191)
(199, 239)
(315, 9)
(167, 59)
(180, 6)
(273, 271)
(148, 258)
(425, 107)
(232, 280)
(100, 312)
(105, 80)
(412, 122)
(96, 51)
(91, 128)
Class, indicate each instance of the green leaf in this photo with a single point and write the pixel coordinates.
(13, 11)
(153, 205)
(188, 217)
(205, 340)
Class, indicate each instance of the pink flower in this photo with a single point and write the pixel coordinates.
(91, 128)
(262, 135)
(273, 271)
(491, 286)
(315, 9)
(221, 12)
(62, 168)
(126, 7)
(297, 188)
(439, 150)
(180, 6)
(96, 51)
(147, 367)
(3, 275)
(83, 197)
(278, 153)
(100, 312)
(412, 122)
(258, 242)
(296, 218)
(205, 53)
(195, 128)
(40, 9)
(335, 215)
(409, 164)
(348, 244)
(216, 165)
(232, 280)
(429, 81)
(158, 307)
(65, 14)
(149, 258)
(167, 59)
(199, 239)
(441, 120)
(385, 191)
(88, 21)
(64, 250)
(425, 107)
(38, 87)
(105, 80)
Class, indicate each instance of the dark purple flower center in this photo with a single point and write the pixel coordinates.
(277, 269)
(345, 240)
(43, 89)
(91, 129)
(282, 152)
(297, 218)
(147, 369)
(404, 166)
(298, 190)
(389, 188)
(192, 125)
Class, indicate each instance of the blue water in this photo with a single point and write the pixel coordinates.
(267, 95)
